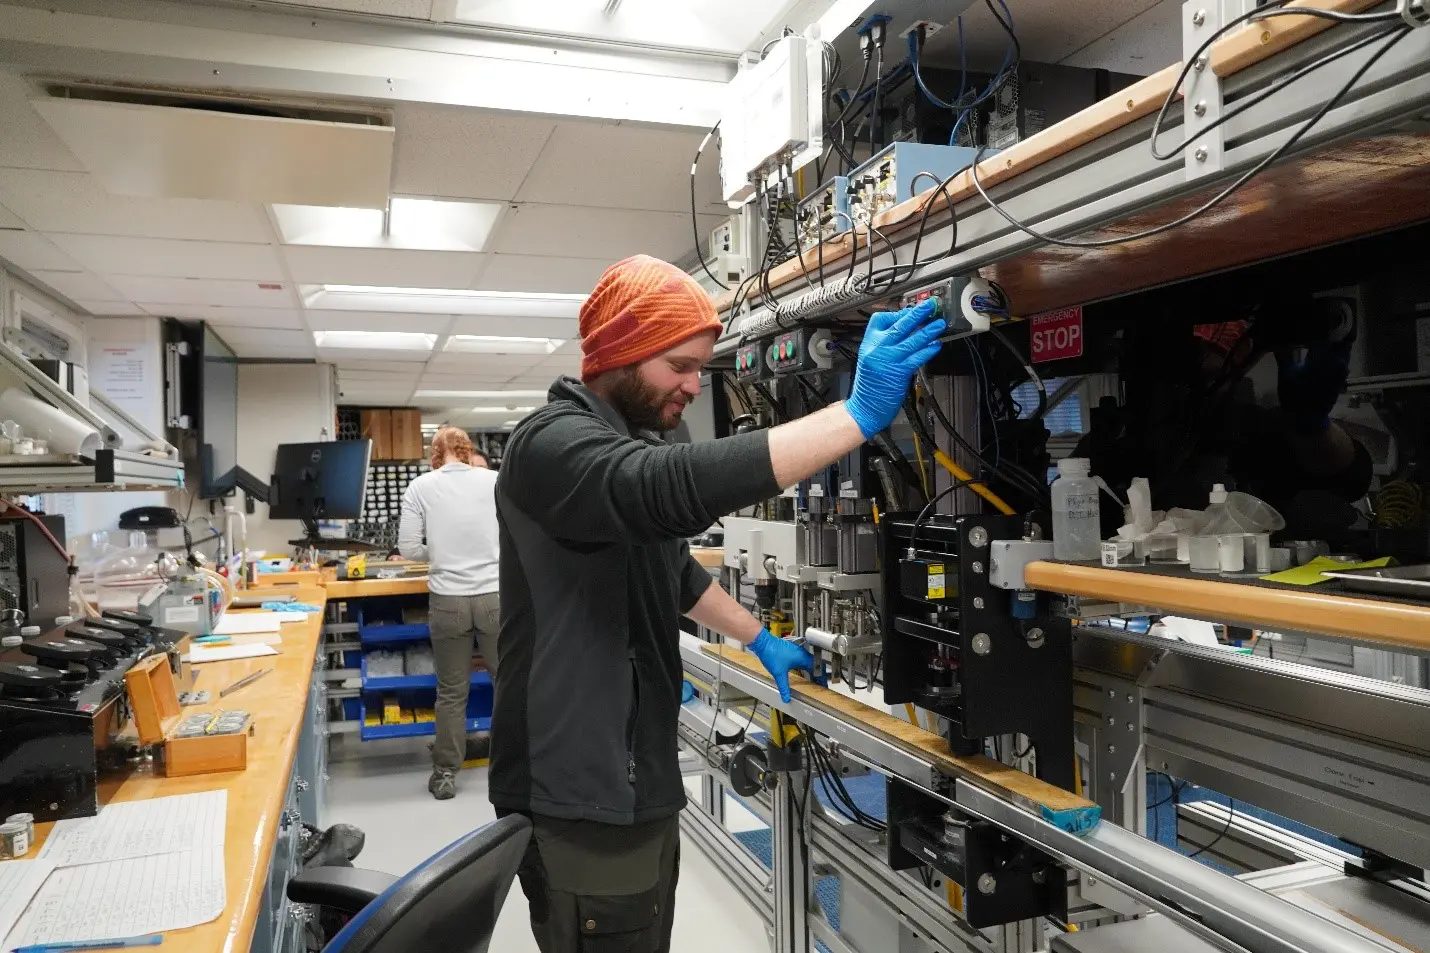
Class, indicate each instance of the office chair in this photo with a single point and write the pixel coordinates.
(447, 904)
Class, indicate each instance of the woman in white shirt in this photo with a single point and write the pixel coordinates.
(449, 520)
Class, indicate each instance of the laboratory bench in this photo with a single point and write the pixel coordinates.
(283, 788)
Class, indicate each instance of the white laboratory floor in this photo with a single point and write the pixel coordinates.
(383, 791)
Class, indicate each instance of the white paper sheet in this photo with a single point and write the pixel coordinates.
(199, 654)
(126, 898)
(139, 829)
(243, 623)
(19, 880)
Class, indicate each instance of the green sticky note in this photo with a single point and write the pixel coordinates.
(1314, 571)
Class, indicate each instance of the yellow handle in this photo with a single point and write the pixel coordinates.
(945, 461)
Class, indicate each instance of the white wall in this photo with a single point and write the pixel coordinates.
(280, 403)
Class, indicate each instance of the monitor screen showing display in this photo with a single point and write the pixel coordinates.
(320, 481)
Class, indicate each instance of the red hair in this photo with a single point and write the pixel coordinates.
(449, 444)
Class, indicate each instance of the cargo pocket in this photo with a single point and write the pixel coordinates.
(625, 924)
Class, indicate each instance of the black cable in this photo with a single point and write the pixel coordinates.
(1395, 37)
(1013, 473)
(694, 222)
(1230, 816)
(776, 411)
(1028, 368)
(924, 513)
(1243, 105)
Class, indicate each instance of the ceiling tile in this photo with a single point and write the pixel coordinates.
(30, 251)
(378, 321)
(453, 362)
(77, 285)
(455, 152)
(290, 319)
(162, 257)
(540, 273)
(28, 142)
(564, 328)
(358, 364)
(156, 294)
(385, 267)
(75, 202)
(605, 235)
(112, 309)
(9, 219)
(475, 380)
(267, 342)
(411, 9)
(341, 355)
(623, 166)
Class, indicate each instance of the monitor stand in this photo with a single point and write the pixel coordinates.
(313, 540)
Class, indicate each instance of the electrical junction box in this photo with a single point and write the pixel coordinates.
(772, 117)
(801, 351)
(824, 214)
(900, 171)
(750, 363)
(950, 294)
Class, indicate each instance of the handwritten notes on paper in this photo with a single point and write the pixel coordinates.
(140, 829)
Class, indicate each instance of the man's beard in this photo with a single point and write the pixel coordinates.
(642, 405)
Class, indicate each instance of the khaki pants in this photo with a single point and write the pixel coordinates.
(456, 624)
(601, 888)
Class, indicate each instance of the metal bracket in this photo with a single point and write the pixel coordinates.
(1415, 13)
(1202, 99)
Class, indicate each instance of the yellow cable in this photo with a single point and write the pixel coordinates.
(954, 893)
(923, 470)
(913, 715)
(1077, 775)
(945, 461)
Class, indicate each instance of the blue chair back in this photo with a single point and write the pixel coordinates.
(448, 903)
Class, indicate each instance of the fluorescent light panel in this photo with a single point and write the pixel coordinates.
(375, 340)
(480, 395)
(497, 344)
(416, 224)
(512, 304)
(501, 410)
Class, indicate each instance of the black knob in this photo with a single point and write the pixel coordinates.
(29, 678)
(53, 648)
(133, 618)
(105, 637)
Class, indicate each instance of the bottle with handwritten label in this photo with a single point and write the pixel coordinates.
(1077, 520)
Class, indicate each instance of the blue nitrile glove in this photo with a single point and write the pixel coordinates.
(1309, 384)
(780, 658)
(896, 344)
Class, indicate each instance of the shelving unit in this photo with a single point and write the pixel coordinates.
(360, 623)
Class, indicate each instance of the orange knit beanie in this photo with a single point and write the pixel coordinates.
(641, 307)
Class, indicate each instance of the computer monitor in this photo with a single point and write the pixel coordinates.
(320, 481)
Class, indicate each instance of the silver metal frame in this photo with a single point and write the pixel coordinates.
(1115, 176)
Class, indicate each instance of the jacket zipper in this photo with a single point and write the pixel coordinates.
(631, 730)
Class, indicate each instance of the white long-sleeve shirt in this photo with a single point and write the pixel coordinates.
(449, 519)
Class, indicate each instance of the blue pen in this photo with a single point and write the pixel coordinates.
(153, 939)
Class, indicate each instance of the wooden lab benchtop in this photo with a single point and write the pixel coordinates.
(256, 795)
(363, 588)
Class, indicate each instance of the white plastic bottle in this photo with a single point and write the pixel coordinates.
(1077, 520)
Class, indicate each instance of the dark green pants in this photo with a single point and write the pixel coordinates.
(601, 888)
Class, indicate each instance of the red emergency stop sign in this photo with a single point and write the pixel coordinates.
(1056, 335)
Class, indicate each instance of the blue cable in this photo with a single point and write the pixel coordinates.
(913, 39)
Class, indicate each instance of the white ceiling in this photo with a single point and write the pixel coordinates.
(578, 196)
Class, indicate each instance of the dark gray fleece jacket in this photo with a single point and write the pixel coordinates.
(595, 574)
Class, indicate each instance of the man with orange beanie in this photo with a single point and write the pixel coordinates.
(594, 511)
